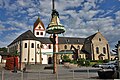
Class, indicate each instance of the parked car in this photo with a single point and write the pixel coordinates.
(109, 65)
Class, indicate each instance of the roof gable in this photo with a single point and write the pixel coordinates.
(37, 22)
(90, 38)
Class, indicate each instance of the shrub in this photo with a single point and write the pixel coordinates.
(87, 63)
(81, 62)
(100, 61)
(106, 60)
(73, 61)
(66, 58)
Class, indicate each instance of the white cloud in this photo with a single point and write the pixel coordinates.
(82, 22)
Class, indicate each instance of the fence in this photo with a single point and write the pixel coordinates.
(62, 74)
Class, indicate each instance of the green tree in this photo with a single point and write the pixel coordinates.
(66, 58)
(4, 49)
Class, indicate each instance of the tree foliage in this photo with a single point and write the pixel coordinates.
(3, 49)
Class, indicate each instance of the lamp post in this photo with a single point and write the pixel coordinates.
(55, 28)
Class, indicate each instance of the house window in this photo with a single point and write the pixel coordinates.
(65, 46)
(49, 46)
(37, 33)
(37, 45)
(41, 33)
(32, 45)
(104, 50)
(97, 50)
(25, 45)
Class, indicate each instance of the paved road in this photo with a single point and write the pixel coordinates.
(78, 73)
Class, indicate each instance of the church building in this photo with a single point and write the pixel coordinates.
(33, 47)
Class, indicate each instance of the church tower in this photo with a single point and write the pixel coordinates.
(39, 29)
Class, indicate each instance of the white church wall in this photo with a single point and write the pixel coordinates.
(44, 59)
(24, 57)
(32, 51)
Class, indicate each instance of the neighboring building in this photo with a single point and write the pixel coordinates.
(30, 45)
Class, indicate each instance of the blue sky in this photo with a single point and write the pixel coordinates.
(81, 18)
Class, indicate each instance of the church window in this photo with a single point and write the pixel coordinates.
(65, 46)
(25, 45)
(97, 50)
(41, 33)
(37, 45)
(49, 46)
(78, 47)
(32, 45)
(104, 50)
(42, 46)
(99, 39)
(37, 33)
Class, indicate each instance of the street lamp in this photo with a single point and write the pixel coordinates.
(55, 28)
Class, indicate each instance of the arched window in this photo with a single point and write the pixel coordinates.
(25, 45)
(99, 39)
(78, 47)
(104, 50)
(65, 46)
(97, 50)
(42, 46)
(32, 45)
(38, 46)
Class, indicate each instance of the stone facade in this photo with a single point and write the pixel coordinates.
(97, 47)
